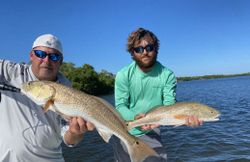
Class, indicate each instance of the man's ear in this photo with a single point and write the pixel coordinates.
(132, 56)
(31, 56)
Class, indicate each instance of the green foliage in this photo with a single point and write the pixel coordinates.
(107, 80)
(86, 79)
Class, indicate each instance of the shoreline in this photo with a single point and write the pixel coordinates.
(210, 77)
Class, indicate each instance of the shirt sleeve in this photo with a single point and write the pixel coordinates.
(4, 71)
(64, 129)
(122, 97)
(169, 90)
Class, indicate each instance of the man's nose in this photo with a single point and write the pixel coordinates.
(46, 59)
(144, 52)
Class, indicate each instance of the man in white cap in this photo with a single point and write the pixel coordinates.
(27, 133)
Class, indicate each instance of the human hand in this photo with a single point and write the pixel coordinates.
(78, 125)
(193, 121)
(148, 126)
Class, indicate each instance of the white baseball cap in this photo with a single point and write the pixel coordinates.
(48, 40)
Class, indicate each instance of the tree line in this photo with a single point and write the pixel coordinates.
(86, 79)
(210, 77)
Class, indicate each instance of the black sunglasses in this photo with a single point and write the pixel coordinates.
(148, 48)
(52, 56)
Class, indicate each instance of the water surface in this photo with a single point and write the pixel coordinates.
(224, 140)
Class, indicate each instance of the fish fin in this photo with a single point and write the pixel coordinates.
(47, 105)
(139, 151)
(181, 117)
(104, 134)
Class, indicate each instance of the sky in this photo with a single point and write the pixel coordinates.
(197, 37)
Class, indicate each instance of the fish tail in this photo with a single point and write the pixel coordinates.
(140, 151)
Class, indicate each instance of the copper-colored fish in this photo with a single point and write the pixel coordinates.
(70, 103)
(176, 114)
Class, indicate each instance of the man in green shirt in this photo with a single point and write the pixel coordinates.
(140, 86)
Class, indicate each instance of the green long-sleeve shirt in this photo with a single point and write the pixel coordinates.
(137, 92)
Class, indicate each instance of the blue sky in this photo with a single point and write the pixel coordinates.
(197, 37)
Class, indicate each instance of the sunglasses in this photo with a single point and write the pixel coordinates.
(148, 48)
(52, 56)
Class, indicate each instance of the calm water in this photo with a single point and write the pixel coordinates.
(224, 140)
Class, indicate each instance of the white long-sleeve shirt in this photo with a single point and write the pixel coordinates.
(26, 132)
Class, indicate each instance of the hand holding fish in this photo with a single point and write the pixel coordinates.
(73, 104)
(146, 126)
(77, 127)
(193, 121)
(181, 113)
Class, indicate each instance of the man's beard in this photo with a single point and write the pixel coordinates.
(143, 65)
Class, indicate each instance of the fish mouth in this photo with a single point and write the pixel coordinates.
(216, 118)
(211, 119)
